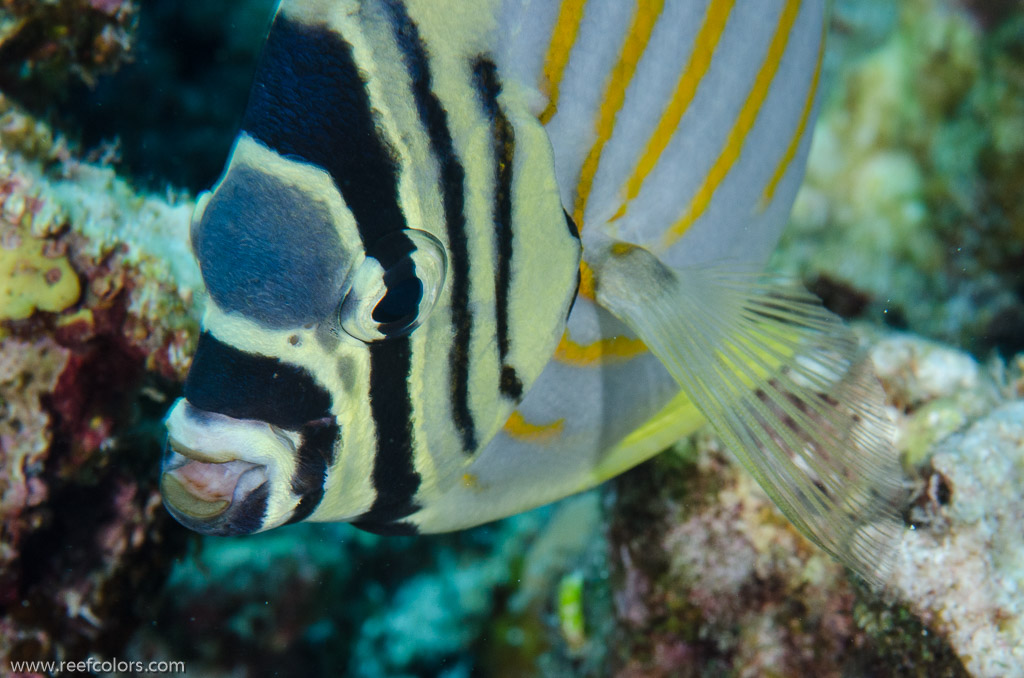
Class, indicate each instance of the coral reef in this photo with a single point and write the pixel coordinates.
(319, 599)
(47, 41)
(93, 333)
(962, 568)
(34, 273)
(911, 198)
(716, 581)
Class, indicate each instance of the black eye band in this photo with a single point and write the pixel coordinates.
(247, 386)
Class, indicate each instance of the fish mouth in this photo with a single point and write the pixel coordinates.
(211, 495)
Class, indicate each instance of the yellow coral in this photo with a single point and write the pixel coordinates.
(33, 278)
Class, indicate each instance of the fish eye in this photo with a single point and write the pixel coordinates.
(396, 286)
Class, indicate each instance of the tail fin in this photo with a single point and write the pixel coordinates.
(784, 384)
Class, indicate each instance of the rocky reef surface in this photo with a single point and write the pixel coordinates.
(910, 223)
(719, 583)
(96, 328)
(911, 214)
(52, 41)
(94, 337)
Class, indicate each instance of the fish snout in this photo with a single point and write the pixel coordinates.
(213, 497)
(220, 473)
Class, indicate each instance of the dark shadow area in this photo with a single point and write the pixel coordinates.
(175, 108)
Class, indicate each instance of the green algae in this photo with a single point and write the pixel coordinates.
(570, 610)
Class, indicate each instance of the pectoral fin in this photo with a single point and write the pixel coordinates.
(785, 386)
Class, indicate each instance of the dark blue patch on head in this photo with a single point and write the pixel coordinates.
(269, 252)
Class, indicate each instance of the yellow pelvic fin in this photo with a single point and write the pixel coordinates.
(680, 417)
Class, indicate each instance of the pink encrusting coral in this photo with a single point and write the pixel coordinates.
(28, 372)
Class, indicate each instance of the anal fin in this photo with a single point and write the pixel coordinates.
(784, 384)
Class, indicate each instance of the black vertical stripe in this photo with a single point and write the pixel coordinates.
(394, 475)
(310, 101)
(435, 120)
(316, 454)
(488, 86)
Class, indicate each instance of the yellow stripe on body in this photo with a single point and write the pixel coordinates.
(715, 19)
(601, 352)
(587, 290)
(567, 27)
(639, 34)
(518, 428)
(794, 143)
(744, 123)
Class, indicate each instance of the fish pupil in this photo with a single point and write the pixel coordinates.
(401, 302)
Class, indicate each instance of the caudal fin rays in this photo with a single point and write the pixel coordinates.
(786, 387)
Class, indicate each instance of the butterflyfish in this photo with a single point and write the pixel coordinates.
(467, 258)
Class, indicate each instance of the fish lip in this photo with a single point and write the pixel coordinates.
(181, 454)
(200, 513)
